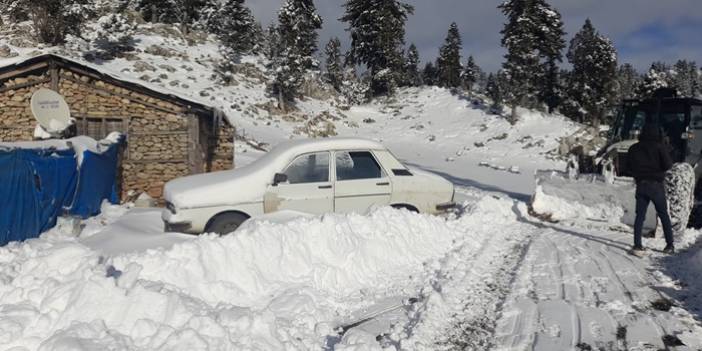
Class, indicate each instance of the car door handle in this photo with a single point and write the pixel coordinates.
(382, 184)
(325, 186)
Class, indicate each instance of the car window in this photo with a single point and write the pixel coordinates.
(352, 165)
(309, 168)
(696, 117)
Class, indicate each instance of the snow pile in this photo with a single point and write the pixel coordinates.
(586, 198)
(334, 254)
(79, 144)
(272, 286)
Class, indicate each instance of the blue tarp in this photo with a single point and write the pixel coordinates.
(37, 186)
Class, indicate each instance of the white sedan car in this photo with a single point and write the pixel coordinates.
(314, 176)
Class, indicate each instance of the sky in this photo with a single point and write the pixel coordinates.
(642, 30)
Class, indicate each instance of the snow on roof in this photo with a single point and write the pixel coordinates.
(106, 70)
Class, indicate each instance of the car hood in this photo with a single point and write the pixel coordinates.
(242, 185)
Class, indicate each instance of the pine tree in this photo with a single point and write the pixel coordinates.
(550, 90)
(52, 20)
(550, 45)
(334, 71)
(429, 74)
(471, 74)
(298, 25)
(377, 39)
(521, 66)
(593, 80)
(656, 78)
(685, 78)
(412, 76)
(234, 24)
(297, 29)
(449, 61)
(114, 35)
(493, 90)
(627, 82)
(273, 43)
(533, 37)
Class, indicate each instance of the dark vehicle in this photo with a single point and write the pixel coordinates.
(680, 120)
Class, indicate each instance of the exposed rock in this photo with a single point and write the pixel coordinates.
(168, 68)
(7, 52)
(141, 66)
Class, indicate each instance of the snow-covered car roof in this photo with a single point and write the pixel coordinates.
(303, 146)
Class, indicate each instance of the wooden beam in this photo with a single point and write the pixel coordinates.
(157, 161)
(24, 85)
(194, 150)
(164, 132)
(53, 73)
(21, 71)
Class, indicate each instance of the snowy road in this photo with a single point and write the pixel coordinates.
(578, 288)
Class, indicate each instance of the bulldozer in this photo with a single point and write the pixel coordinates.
(598, 186)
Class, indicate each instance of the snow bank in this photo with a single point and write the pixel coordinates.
(333, 254)
(586, 198)
(272, 286)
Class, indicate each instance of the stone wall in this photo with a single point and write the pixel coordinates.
(16, 120)
(223, 157)
(157, 130)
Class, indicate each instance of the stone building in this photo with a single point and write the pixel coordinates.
(167, 136)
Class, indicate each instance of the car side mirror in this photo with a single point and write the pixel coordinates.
(279, 178)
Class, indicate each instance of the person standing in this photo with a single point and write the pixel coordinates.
(648, 160)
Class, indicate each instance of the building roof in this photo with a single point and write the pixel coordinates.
(25, 65)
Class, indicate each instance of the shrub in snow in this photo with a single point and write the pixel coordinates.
(679, 188)
(114, 35)
(52, 20)
(356, 91)
(656, 78)
(184, 12)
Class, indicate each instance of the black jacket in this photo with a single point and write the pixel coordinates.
(649, 159)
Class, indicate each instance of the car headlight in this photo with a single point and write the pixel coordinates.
(171, 207)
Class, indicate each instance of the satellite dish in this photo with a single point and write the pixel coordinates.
(50, 110)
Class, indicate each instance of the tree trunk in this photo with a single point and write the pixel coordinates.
(281, 100)
(513, 117)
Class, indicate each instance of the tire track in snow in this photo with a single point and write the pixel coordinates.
(610, 296)
(461, 303)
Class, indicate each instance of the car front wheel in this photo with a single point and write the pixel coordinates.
(226, 223)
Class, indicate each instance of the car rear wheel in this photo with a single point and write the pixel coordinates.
(226, 223)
